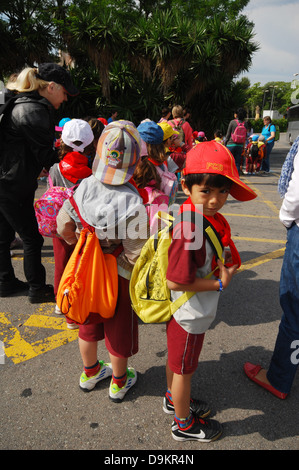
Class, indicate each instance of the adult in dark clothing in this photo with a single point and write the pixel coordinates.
(236, 148)
(26, 150)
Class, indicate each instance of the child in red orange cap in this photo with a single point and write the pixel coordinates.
(209, 177)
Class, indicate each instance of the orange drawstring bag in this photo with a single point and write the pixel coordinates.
(89, 283)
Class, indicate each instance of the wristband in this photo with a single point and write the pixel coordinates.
(220, 285)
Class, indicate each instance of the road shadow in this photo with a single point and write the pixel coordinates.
(226, 388)
(249, 301)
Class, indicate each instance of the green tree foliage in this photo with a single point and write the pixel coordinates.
(273, 95)
(27, 33)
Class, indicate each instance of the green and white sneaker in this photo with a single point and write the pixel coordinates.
(88, 383)
(117, 394)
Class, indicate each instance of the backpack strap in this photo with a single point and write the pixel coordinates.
(208, 230)
(50, 181)
(83, 222)
(64, 182)
(117, 250)
(213, 238)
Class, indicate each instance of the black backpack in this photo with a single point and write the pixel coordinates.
(254, 151)
(4, 110)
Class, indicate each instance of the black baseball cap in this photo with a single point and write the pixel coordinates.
(51, 72)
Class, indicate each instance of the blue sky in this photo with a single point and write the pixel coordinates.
(277, 32)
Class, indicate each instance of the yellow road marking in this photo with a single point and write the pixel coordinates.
(20, 350)
(261, 259)
(249, 215)
(263, 240)
(43, 321)
(260, 195)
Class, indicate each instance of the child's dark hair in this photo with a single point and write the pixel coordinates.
(165, 112)
(97, 126)
(218, 133)
(214, 180)
(146, 173)
(241, 114)
(64, 149)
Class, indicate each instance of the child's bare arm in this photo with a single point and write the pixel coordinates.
(200, 284)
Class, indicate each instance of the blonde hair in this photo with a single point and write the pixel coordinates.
(177, 111)
(27, 81)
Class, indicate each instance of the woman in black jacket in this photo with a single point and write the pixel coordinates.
(27, 147)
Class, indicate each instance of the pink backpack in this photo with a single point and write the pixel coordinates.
(169, 183)
(48, 206)
(240, 133)
(157, 201)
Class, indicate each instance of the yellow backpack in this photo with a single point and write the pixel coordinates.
(150, 295)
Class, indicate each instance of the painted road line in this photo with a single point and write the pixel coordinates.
(43, 321)
(19, 350)
(260, 195)
(261, 240)
(249, 215)
(247, 265)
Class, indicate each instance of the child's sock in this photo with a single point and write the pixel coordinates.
(119, 381)
(169, 396)
(185, 422)
(93, 370)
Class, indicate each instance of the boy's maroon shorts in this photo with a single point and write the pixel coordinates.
(183, 348)
(121, 331)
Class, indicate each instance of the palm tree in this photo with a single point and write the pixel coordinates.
(176, 59)
(164, 45)
(235, 43)
(27, 33)
(101, 36)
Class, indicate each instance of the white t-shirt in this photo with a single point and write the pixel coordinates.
(196, 315)
(289, 211)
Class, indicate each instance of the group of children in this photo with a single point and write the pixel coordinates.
(133, 166)
(254, 151)
(253, 155)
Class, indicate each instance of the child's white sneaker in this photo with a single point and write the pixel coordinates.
(57, 310)
(72, 326)
(88, 383)
(117, 394)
